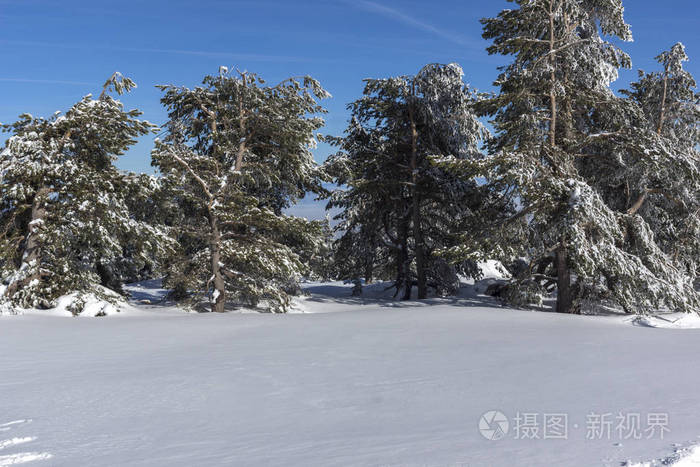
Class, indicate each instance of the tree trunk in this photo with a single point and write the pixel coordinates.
(33, 244)
(32, 250)
(219, 302)
(369, 270)
(417, 231)
(404, 264)
(553, 77)
(564, 292)
(420, 251)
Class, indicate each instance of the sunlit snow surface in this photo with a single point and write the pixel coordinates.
(344, 381)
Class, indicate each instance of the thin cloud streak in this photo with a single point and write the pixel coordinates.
(201, 53)
(401, 17)
(45, 81)
(252, 57)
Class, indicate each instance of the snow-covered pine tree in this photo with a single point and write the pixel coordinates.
(543, 115)
(64, 220)
(398, 207)
(237, 152)
(149, 201)
(369, 201)
(320, 257)
(667, 195)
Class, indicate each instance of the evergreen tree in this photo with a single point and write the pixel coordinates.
(554, 97)
(238, 152)
(400, 208)
(320, 256)
(149, 200)
(667, 195)
(65, 225)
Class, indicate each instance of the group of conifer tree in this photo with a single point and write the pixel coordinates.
(586, 195)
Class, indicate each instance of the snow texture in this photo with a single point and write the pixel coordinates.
(353, 381)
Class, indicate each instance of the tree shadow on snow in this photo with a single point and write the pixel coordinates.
(380, 295)
(149, 293)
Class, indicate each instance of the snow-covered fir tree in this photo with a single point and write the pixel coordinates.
(666, 193)
(320, 258)
(149, 201)
(236, 154)
(399, 208)
(65, 225)
(549, 117)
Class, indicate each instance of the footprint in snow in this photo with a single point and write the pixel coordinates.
(7, 457)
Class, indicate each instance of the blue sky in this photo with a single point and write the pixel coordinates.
(52, 52)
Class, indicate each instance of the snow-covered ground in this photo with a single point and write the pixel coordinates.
(347, 381)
